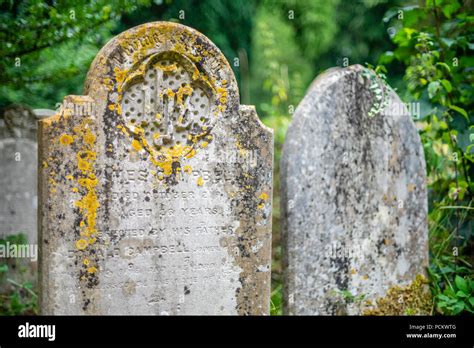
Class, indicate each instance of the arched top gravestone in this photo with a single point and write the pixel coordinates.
(156, 185)
(354, 199)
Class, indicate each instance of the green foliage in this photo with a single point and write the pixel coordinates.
(16, 298)
(228, 23)
(312, 22)
(434, 46)
(453, 287)
(276, 307)
(361, 35)
(48, 47)
(378, 86)
(276, 86)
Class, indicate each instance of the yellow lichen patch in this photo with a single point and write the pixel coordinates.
(263, 196)
(91, 269)
(123, 129)
(200, 181)
(108, 84)
(169, 92)
(88, 206)
(196, 75)
(136, 145)
(242, 150)
(166, 158)
(88, 203)
(413, 299)
(81, 244)
(261, 206)
(66, 139)
(120, 75)
(69, 177)
(45, 164)
(204, 144)
(182, 91)
(187, 169)
(111, 107)
(168, 68)
(222, 95)
(83, 165)
(190, 154)
(85, 160)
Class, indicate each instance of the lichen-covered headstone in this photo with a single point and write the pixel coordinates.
(354, 199)
(156, 185)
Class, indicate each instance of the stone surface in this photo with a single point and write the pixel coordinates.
(354, 201)
(18, 187)
(156, 186)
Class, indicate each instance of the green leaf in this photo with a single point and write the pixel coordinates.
(461, 294)
(471, 301)
(458, 307)
(386, 58)
(447, 85)
(459, 110)
(447, 42)
(461, 283)
(444, 65)
(449, 9)
(3, 268)
(433, 88)
(444, 298)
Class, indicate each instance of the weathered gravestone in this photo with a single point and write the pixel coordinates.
(18, 195)
(155, 192)
(354, 201)
(18, 172)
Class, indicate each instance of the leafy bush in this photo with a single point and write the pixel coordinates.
(434, 47)
(17, 296)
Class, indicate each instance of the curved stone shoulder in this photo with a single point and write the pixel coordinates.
(249, 114)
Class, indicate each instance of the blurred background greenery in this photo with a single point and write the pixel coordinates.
(276, 48)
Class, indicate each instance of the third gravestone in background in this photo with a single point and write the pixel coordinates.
(354, 198)
(155, 190)
(18, 171)
(18, 195)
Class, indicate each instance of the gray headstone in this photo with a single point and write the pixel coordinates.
(156, 194)
(18, 193)
(354, 199)
(18, 188)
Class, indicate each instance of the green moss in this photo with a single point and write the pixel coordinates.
(413, 299)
